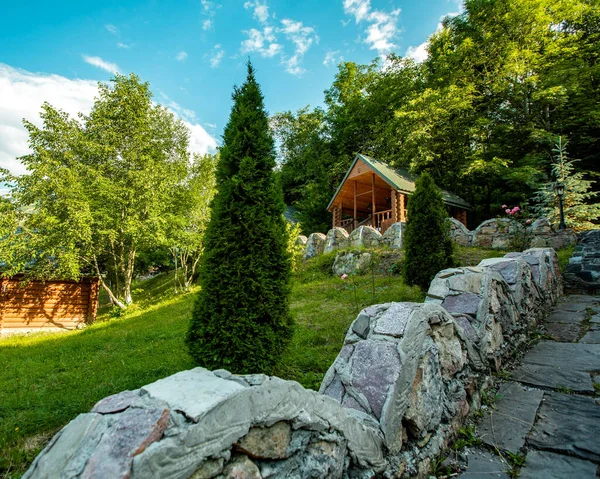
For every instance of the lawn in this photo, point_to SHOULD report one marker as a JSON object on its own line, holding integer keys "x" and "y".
{"x": 49, "y": 378}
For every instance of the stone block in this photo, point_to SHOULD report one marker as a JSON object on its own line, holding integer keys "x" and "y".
{"x": 337, "y": 238}
{"x": 314, "y": 245}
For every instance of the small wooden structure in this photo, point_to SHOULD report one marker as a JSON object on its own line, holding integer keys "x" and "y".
{"x": 37, "y": 305}
{"x": 375, "y": 194}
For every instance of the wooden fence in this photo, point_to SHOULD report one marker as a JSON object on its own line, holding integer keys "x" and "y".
{"x": 36, "y": 305}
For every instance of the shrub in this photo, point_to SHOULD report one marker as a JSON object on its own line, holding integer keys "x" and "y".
{"x": 241, "y": 320}
{"x": 427, "y": 243}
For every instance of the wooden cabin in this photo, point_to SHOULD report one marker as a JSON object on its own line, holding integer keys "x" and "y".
{"x": 39, "y": 305}
{"x": 375, "y": 194}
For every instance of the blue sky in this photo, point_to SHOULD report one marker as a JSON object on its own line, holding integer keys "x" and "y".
{"x": 192, "y": 52}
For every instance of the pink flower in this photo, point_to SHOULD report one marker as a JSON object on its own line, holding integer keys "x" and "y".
{"x": 508, "y": 211}
{"x": 516, "y": 209}
{"x": 504, "y": 206}
{"x": 344, "y": 276}
{"x": 528, "y": 221}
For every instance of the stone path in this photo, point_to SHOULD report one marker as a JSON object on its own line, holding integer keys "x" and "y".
{"x": 549, "y": 412}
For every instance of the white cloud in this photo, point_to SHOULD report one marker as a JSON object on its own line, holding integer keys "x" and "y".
{"x": 263, "y": 42}
{"x": 22, "y": 94}
{"x": 382, "y": 27}
{"x": 209, "y": 12}
{"x": 331, "y": 58}
{"x": 181, "y": 56}
{"x": 418, "y": 53}
{"x": 123, "y": 45}
{"x": 100, "y": 63}
{"x": 261, "y": 10}
{"x": 302, "y": 37}
{"x": 112, "y": 29}
{"x": 216, "y": 56}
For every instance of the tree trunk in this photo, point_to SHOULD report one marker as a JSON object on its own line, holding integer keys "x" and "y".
{"x": 113, "y": 299}
{"x": 129, "y": 277}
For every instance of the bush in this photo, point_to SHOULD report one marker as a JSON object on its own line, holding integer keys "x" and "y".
{"x": 241, "y": 320}
{"x": 428, "y": 247}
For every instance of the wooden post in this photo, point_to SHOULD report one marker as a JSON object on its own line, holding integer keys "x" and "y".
{"x": 374, "y": 223}
{"x": 355, "y": 187}
{"x": 394, "y": 207}
{"x": 335, "y": 214}
{"x": 402, "y": 215}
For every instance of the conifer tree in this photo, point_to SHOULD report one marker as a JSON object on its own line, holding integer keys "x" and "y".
{"x": 580, "y": 209}
{"x": 428, "y": 247}
{"x": 241, "y": 318}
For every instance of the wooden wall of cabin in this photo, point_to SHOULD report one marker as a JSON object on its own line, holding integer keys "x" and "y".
{"x": 50, "y": 304}
{"x": 460, "y": 214}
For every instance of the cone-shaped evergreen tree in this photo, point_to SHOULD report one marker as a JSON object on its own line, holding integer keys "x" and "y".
{"x": 428, "y": 247}
{"x": 241, "y": 319}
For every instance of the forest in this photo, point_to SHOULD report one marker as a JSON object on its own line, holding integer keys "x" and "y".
{"x": 502, "y": 83}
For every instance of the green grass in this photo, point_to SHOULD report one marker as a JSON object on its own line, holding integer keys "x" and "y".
{"x": 49, "y": 378}
{"x": 471, "y": 256}
{"x": 563, "y": 257}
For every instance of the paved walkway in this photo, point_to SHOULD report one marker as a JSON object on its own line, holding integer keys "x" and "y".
{"x": 550, "y": 409}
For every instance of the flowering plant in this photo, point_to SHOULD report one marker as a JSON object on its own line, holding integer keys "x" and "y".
{"x": 522, "y": 234}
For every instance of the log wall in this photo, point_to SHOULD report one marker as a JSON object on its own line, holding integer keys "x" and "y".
{"x": 45, "y": 305}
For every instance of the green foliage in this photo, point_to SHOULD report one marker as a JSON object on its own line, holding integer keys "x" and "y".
{"x": 501, "y": 82}
{"x": 578, "y": 201}
{"x": 241, "y": 320}
{"x": 295, "y": 250}
{"x": 427, "y": 243}
{"x": 466, "y": 437}
{"x": 190, "y": 215}
{"x": 98, "y": 190}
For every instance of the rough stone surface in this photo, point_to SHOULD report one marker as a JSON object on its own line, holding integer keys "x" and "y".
{"x": 460, "y": 233}
{"x": 266, "y": 442}
{"x": 351, "y": 262}
{"x": 591, "y": 337}
{"x": 547, "y": 465}
{"x": 242, "y": 468}
{"x": 392, "y": 237}
{"x": 337, "y": 238}
{"x": 583, "y": 270}
{"x": 144, "y": 441}
{"x": 568, "y": 424}
{"x": 301, "y": 240}
{"x": 506, "y": 425}
{"x": 314, "y": 245}
{"x": 555, "y": 365}
{"x": 483, "y": 465}
{"x": 365, "y": 237}
{"x": 117, "y": 402}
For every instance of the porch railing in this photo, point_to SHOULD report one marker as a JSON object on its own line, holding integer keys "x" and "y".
{"x": 382, "y": 220}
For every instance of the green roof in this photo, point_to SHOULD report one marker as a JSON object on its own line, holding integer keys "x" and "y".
{"x": 399, "y": 179}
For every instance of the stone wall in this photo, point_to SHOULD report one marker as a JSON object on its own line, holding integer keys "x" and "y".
{"x": 499, "y": 233}
{"x": 494, "y": 234}
{"x": 583, "y": 270}
{"x": 405, "y": 379}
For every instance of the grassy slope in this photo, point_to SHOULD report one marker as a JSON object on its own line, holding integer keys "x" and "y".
{"x": 50, "y": 378}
